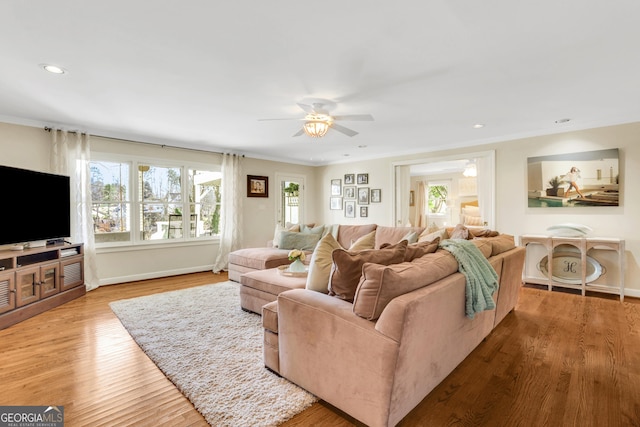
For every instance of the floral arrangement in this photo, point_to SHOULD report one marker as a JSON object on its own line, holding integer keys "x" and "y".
{"x": 296, "y": 254}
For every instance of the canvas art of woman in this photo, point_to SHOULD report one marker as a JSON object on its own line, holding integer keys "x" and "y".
{"x": 572, "y": 178}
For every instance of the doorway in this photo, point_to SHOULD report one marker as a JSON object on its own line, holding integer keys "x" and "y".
{"x": 290, "y": 198}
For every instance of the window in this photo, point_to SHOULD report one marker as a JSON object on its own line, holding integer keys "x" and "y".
{"x": 170, "y": 202}
{"x": 111, "y": 203}
{"x": 437, "y": 193}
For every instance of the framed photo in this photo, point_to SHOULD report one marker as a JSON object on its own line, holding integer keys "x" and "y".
{"x": 350, "y": 192}
{"x": 336, "y": 203}
{"x": 364, "y": 211}
{"x": 350, "y": 208}
{"x": 376, "y": 195}
{"x": 363, "y": 195}
{"x": 363, "y": 178}
{"x": 412, "y": 201}
{"x": 257, "y": 186}
{"x": 349, "y": 178}
{"x": 336, "y": 187}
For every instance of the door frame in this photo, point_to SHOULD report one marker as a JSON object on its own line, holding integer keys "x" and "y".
{"x": 279, "y": 178}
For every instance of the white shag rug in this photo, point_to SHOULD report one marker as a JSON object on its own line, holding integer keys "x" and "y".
{"x": 211, "y": 350}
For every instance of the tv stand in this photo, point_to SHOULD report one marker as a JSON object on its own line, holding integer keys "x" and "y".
{"x": 35, "y": 280}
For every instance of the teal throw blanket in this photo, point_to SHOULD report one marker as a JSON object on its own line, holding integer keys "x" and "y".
{"x": 482, "y": 279}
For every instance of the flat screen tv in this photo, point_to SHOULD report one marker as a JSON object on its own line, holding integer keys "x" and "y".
{"x": 35, "y": 206}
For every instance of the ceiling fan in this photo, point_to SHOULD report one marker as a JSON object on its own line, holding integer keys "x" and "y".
{"x": 318, "y": 121}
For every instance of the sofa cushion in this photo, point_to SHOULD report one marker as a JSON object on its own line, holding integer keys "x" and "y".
{"x": 351, "y": 233}
{"x": 380, "y": 284}
{"x": 483, "y": 232}
{"x": 347, "y": 267}
{"x": 395, "y": 234}
{"x": 417, "y": 250}
{"x": 365, "y": 242}
{"x": 302, "y": 241}
{"x": 259, "y": 258}
{"x": 320, "y": 264}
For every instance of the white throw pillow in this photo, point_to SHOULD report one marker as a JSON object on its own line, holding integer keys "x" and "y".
{"x": 320, "y": 264}
{"x": 368, "y": 241}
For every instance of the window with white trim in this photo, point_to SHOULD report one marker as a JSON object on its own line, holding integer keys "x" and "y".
{"x": 157, "y": 203}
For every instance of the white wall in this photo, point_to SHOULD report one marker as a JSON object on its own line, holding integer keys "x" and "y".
{"x": 513, "y": 216}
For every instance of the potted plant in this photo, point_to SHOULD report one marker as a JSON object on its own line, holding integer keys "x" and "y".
{"x": 292, "y": 189}
{"x": 555, "y": 189}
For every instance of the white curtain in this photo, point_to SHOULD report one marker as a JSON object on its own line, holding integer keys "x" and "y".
{"x": 403, "y": 188}
{"x": 70, "y": 155}
{"x": 421, "y": 205}
{"x": 231, "y": 211}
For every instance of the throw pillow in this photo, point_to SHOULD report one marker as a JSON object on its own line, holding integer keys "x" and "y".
{"x": 473, "y": 220}
{"x": 431, "y": 236}
{"x": 365, "y": 242}
{"x": 459, "y": 232}
{"x": 411, "y": 237}
{"x": 417, "y": 250}
{"x": 302, "y": 241}
{"x": 347, "y": 267}
{"x": 280, "y": 229}
{"x": 380, "y": 284}
{"x": 310, "y": 229}
{"x": 320, "y": 264}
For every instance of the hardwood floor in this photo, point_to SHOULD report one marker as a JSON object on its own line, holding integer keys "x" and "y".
{"x": 557, "y": 360}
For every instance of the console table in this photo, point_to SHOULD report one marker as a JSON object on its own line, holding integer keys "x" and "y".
{"x": 35, "y": 280}
{"x": 579, "y": 262}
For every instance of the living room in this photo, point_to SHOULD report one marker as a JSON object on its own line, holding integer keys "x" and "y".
{"x": 428, "y": 82}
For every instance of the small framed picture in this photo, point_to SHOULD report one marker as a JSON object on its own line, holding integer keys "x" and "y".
{"x": 257, "y": 186}
{"x": 363, "y": 195}
{"x": 349, "y": 178}
{"x": 364, "y": 211}
{"x": 336, "y": 187}
{"x": 376, "y": 195}
{"x": 336, "y": 203}
{"x": 350, "y": 192}
{"x": 350, "y": 208}
{"x": 411, "y": 199}
{"x": 363, "y": 178}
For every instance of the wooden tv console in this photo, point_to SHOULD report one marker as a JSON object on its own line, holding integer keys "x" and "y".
{"x": 35, "y": 280}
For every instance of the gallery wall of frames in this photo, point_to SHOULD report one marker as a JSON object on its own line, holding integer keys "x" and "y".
{"x": 353, "y": 195}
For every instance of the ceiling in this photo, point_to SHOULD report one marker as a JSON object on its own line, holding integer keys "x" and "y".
{"x": 201, "y": 74}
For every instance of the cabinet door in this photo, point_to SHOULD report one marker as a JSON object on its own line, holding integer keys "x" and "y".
{"x": 27, "y": 286}
{"x": 49, "y": 279}
{"x": 7, "y": 292}
{"x": 72, "y": 273}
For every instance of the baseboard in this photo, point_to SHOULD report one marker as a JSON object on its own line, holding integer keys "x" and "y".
{"x": 634, "y": 293}
{"x": 154, "y": 275}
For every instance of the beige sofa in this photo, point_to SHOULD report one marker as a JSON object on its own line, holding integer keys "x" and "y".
{"x": 378, "y": 370}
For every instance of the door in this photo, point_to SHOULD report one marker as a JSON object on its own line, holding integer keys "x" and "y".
{"x": 290, "y": 198}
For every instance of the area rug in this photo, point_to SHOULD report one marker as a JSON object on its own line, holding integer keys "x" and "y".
{"x": 211, "y": 350}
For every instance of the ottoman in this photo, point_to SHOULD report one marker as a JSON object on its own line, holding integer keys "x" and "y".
{"x": 248, "y": 260}
{"x": 261, "y": 287}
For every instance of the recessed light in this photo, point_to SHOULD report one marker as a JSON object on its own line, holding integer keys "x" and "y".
{"x": 563, "y": 120}
{"x": 53, "y": 69}
{"x": 346, "y": 155}
{"x": 478, "y": 126}
{"x": 362, "y": 146}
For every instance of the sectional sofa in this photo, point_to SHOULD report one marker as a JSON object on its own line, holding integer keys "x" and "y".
{"x": 377, "y": 350}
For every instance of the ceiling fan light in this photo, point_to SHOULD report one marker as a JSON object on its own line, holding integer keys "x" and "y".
{"x": 316, "y": 128}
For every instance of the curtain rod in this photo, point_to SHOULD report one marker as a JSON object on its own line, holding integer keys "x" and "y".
{"x": 49, "y": 129}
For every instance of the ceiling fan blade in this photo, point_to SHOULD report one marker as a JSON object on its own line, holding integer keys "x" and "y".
{"x": 343, "y": 129}
{"x": 289, "y": 118}
{"x": 300, "y": 132}
{"x": 306, "y": 108}
{"x": 355, "y": 117}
